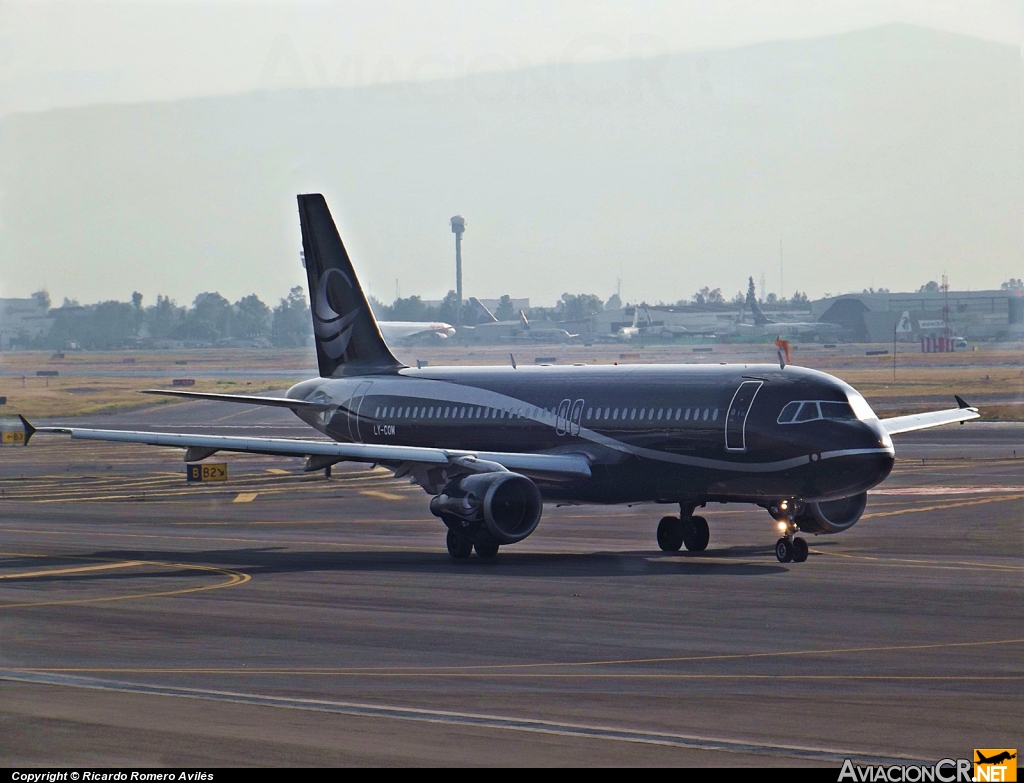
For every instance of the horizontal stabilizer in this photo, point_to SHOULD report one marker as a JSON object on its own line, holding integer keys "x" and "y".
{"x": 273, "y": 402}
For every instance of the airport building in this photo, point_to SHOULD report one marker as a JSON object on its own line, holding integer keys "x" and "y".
{"x": 22, "y": 320}
{"x": 974, "y": 315}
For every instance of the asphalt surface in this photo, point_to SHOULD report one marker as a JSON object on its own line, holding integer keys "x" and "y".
{"x": 282, "y": 618}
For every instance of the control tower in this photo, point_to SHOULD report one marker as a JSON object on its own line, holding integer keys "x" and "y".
{"x": 458, "y": 228}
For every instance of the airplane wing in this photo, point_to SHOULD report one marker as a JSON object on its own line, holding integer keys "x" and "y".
{"x": 556, "y": 466}
{"x": 274, "y": 402}
{"x": 921, "y": 421}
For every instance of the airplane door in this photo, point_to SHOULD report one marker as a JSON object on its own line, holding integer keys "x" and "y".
{"x": 353, "y": 410}
{"x": 574, "y": 419}
{"x": 562, "y": 419}
{"x": 736, "y": 419}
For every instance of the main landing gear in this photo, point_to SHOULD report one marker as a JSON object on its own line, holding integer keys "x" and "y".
{"x": 460, "y": 546}
{"x": 691, "y": 531}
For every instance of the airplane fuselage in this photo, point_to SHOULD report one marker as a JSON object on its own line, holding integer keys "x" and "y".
{"x": 666, "y": 433}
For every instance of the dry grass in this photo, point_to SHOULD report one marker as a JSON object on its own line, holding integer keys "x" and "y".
{"x": 103, "y": 382}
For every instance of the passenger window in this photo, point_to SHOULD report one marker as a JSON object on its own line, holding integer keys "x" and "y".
{"x": 650, "y": 414}
{"x": 808, "y": 412}
{"x": 661, "y": 412}
{"x": 607, "y": 412}
{"x": 714, "y": 415}
{"x": 641, "y": 414}
{"x": 788, "y": 412}
{"x": 462, "y": 413}
{"x": 679, "y": 413}
{"x": 615, "y": 414}
{"x": 416, "y": 412}
{"x": 589, "y": 411}
{"x": 706, "y": 411}
{"x": 837, "y": 411}
{"x": 632, "y": 414}
{"x": 377, "y": 412}
{"x": 687, "y": 414}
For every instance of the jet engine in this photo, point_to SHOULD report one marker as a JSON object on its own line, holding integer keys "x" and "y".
{"x": 505, "y": 505}
{"x": 832, "y": 516}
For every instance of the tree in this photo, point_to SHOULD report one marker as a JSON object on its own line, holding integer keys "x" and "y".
{"x": 579, "y": 306}
{"x": 799, "y": 298}
{"x": 292, "y": 325}
{"x": 252, "y": 317}
{"x": 771, "y": 299}
{"x": 505, "y": 310}
{"x": 209, "y": 319}
{"x": 42, "y": 298}
{"x": 163, "y": 318}
{"x": 1013, "y": 284}
{"x": 411, "y": 309}
{"x": 448, "y": 311}
{"x": 381, "y": 311}
{"x": 614, "y": 302}
{"x": 931, "y": 287}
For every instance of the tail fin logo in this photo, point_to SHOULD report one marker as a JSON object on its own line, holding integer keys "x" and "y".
{"x": 333, "y": 328}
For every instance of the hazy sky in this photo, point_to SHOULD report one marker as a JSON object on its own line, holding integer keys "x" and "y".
{"x": 77, "y": 53}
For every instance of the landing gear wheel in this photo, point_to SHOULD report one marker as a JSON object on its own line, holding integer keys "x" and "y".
{"x": 486, "y": 549}
{"x": 670, "y": 534}
{"x": 784, "y": 550}
{"x": 700, "y": 534}
{"x": 459, "y": 546}
{"x": 799, "y": 550}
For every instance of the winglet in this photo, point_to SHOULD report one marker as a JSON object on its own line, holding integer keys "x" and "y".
{"x": 960, "y": 401}
{"x": 29, "y": 429}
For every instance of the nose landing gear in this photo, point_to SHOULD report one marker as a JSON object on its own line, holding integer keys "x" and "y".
{"x": 790, "y": 548}
{"x": 691, "y": 531}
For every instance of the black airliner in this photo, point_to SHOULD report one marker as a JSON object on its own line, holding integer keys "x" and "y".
{"x": 492, "y": 444}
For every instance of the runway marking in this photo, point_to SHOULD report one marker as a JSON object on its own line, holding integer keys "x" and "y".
{"x": 245, "y": 497}
{"x": 373, "y": 493}
{"x": 233, "y": 578}
{"x": 279, "y": 471}
{"x": 469, "y": 719}
{"x": 897, "y": 561}
{"x": 75, "y": 570}
{"x": 942, "y": 490}
{"x": 942, "y": 506}
{"x": 502, "y": 670}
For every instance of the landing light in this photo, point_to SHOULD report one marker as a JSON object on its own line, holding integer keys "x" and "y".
{"x": 783, "y": 505}
{"x": 782, "y": 526}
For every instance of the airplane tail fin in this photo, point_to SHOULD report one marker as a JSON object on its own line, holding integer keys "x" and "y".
{"x": 348, "y": 340}
{"x": 760, "y": 319}
{"x": 483, "y": 315}
{"x": 522, "y": 319}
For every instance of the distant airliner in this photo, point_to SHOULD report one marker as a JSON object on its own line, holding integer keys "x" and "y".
{"x": 763, "y": 323}
{"x": 492, "y": 444}
{"x": 394, "y": 331}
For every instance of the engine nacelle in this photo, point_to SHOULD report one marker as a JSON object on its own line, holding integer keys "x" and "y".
{"x": 832, "y": 516}
{"x": 508, "y": 504}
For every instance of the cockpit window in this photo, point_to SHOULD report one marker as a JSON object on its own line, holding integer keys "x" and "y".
{"x": 800, "y": 411}
{"x": 789, "y": 412}
{"x": 808, "y": 412}
{"x": 837, "y": 411}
